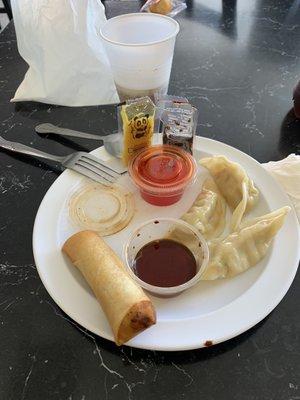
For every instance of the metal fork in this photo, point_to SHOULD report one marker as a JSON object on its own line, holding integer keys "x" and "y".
{"x": 81, "y": 162}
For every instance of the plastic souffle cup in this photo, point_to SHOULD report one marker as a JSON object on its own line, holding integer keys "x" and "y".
{"x": 162, "y": 173}
{"x": 140, "y": 50}
{"x": 161, "y": 228}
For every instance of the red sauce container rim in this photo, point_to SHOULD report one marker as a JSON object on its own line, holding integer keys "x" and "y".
{"x": 162, "y": 169}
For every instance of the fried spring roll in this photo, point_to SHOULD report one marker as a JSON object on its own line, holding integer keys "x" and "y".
{"x": 127, "y": 308}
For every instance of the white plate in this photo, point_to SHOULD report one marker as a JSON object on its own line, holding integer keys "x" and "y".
{"x": 211, "y": 311}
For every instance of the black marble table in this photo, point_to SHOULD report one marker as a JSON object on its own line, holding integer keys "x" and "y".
{"x": 238, "y": 63}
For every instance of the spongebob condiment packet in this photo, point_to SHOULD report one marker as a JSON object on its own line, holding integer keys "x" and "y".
{"x": 136, "y": 121}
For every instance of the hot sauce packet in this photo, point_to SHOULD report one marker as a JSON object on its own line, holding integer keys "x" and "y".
{"x": 178, "y": 124}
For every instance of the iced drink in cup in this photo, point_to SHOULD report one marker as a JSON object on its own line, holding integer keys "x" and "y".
{"x": 140, "y": 50}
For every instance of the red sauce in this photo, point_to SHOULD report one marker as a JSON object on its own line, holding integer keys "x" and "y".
{"x": 160, "y": 201}
{"x": 165, "y": 263}
{"x": 162, "y": 173}
{"x": 162, "y": 168}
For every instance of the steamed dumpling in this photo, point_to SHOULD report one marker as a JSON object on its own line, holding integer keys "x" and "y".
{"x": 208, "y": 212}
{"x": 234, "y": 184}
{"x": 245, "y": 248}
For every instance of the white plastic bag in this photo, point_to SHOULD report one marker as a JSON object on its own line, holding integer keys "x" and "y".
{"x": 60, "y": 41}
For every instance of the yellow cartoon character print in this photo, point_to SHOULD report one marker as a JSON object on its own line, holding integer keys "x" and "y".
{"x": 138, "y": 126}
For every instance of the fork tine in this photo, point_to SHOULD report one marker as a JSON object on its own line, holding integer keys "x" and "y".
{"x": 89, "y": 175}
{"x": 95, "y": 160}
{"x": 96, "y": 176}
{"x": 96, "y": 170}
{"x": 98, "y": 166}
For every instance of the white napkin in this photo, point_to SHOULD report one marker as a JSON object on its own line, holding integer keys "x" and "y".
{"x": 287, "y": 174}
{"x": 60, "y": 42}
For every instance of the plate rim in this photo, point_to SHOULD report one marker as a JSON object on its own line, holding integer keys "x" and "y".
{"x": 200, "y": 142}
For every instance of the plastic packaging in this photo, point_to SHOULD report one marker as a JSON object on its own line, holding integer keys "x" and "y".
{"x": 67, "y": 62}
{"x": 136, "y": 121}
{"x": 179, "y": 126}
{"x": 161, "y": 228}
{"x": 140, "y": 49}
{"x": 163, "y": 101}
{"x": 104, "y": 209}
{"x": 164, "y": 7}
{"x": 162, "y": 173}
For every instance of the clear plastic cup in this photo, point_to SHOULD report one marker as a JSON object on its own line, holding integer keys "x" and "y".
{"x": 177, "y": 230}
{"x": 140, "y": 50}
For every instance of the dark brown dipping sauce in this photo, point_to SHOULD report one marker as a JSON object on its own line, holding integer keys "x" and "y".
{"x": 165, "y": 263}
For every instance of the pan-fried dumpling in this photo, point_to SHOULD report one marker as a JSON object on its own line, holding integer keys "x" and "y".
{"x": 208, "y": 212}
{"x": 234, "y": 184}
{"x": 245, "y": 248}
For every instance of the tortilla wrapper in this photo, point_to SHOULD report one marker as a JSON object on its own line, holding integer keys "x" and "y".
{"x": 128, "y": 310}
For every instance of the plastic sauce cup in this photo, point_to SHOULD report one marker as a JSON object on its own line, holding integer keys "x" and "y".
{"x": 162, "y": 173}
{"x": 158, "y": 229}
